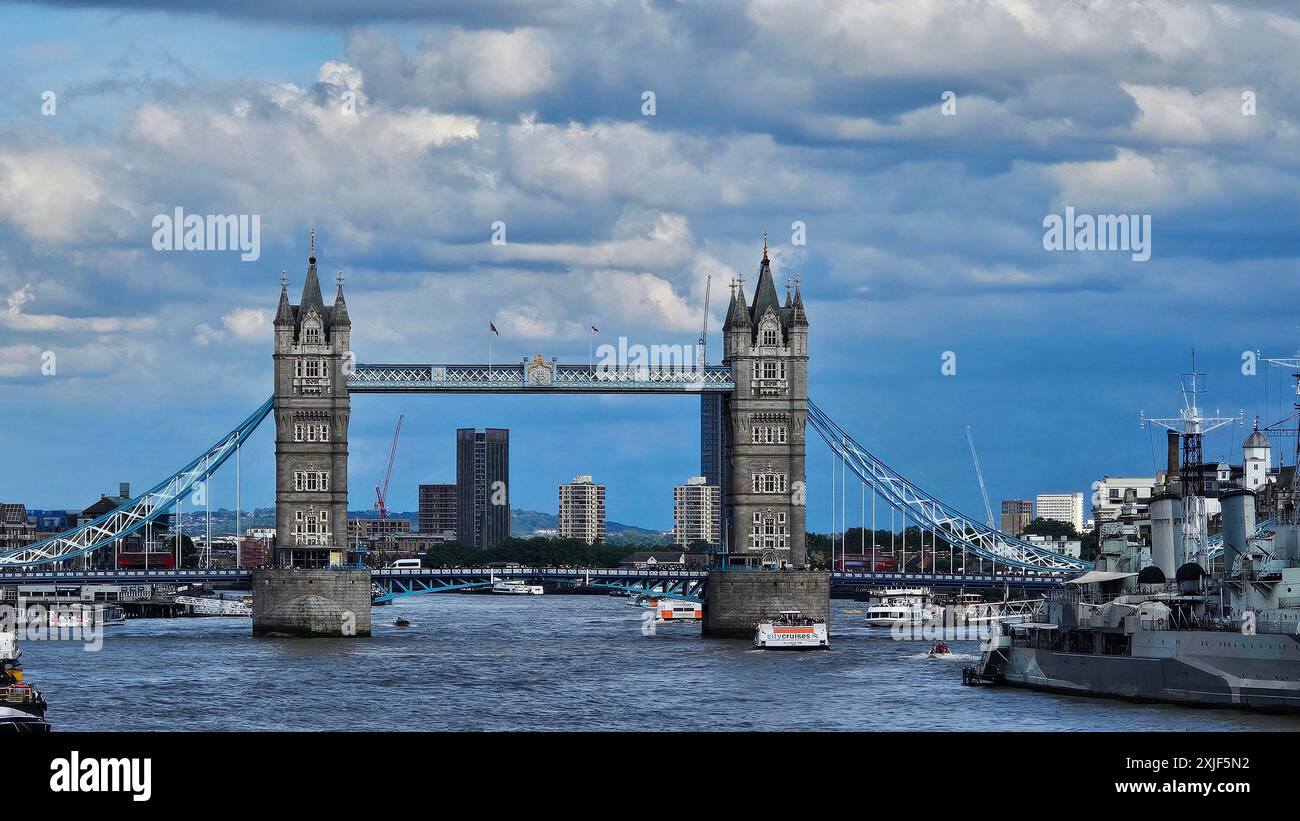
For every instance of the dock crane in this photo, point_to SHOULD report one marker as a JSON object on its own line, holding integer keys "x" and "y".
{"x": 381, "y": 490}
{"x": 700, "y": 359}
{"x": 979, "y": 474}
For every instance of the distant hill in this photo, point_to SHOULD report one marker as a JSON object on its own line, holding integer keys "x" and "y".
{"x": 525, "y": 523}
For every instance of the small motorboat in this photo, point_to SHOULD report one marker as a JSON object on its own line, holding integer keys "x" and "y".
{"x": 401, "y": 622}
{"x": 940, "y": 648}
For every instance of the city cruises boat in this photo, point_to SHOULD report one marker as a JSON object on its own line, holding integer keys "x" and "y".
{"x": 22, "y": 707}
{"x": 677, "y": 610}
{"x": 901, "y": 606}
{"x": 214, "y": 606}
{"x": 791, "y": 630}
{"x": 80, "y": 615}
{"x": 516, "y": 587}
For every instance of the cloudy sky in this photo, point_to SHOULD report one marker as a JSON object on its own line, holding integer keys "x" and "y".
{"x": 401, "y": 131}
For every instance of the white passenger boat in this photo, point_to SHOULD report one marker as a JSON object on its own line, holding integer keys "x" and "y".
{"x": 677, "y": 610}
{"x": 516, "y": 587}
{"x": 213, "y": 606}
{"x": 791, "y": 630}
{"x": 79, "y": 615}
{"x": 901, "y": 606}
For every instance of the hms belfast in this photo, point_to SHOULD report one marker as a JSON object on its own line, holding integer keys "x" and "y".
{"x": 1170, "y": 613}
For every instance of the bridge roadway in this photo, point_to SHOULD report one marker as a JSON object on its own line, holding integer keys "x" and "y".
{"x": 678, "y": 583}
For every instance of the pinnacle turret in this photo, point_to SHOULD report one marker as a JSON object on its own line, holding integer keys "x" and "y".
{"x": 340, "y": 310}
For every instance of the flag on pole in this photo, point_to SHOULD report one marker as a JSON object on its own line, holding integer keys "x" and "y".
{"x": 493, "y": 328}
{"x": 595, "y": 330}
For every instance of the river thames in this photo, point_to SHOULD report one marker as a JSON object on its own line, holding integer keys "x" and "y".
{"x": 483, "y": 662}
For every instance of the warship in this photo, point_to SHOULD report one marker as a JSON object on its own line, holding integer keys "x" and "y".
{"x": 1169, "y": 613}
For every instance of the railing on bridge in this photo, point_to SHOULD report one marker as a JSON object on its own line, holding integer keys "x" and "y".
{"x": 539, "y": 377}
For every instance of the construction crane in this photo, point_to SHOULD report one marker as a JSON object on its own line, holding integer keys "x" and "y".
{"x": 979, "y": 474}
{"x": 381, "y": 490}
{"x": 700, "y": 358}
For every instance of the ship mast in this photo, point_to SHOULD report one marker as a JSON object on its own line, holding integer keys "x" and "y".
{"x": 1192, "y": 426}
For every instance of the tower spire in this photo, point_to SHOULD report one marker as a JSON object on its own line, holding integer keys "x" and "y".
{"x": 765, "y": 246}
{"x": 311, "y": 253}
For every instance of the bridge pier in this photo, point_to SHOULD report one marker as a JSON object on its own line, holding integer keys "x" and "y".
{"x": 738, "y": 599}
{"x": 311, "y": 603}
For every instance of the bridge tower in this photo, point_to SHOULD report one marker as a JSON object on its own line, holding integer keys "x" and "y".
{"x": 763, "y": 423}
{"x": 312, "y": 343}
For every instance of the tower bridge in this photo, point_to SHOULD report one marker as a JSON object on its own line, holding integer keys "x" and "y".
{"x": 755, "y": 416}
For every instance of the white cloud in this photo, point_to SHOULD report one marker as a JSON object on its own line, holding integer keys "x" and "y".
{"x": 15, "y": 318}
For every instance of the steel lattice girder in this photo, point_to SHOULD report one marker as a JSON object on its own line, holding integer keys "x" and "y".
{"x": 559, "y": 378}
{"x": 955, "y": 527}
{"x": 135, "y": 513}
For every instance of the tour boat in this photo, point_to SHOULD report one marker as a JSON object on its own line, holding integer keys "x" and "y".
{"x": 901, "y": 606}
{"x": 516, "y": 587}
{"x": 676, "y": 610}
{"x": 22, "y": 708}
{"x": 81, "y": 615}
{"x": 791, "y": 630}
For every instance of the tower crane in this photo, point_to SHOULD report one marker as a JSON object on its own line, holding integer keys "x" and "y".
{"x": 700, "y": 358}
{"x": 979, "y": 474}
{"x": 381, "y": 490}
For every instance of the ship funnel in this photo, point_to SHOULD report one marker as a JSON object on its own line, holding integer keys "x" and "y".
{"x": 1166, "y": 527}
{"x": 1171, "y": 457}
{"x": 1238, "y": 525}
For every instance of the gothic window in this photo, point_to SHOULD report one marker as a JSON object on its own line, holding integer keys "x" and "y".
{"x": 768, "y": 482}
{"x": 769, "y": 532}
{"x": 769, "y": 435}
{"x": 311, "y": 432}
{"x": 311, "y": 528}
{"x": 311, "y": 335}
{"x": 769, "y": 336}
{"x": 311, "y": 480}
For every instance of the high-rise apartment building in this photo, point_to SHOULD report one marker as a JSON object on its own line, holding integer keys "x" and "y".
{"x": 582, "y": 510}
{"x": 437, "y": 509}
{"x": 1016, "y": 515}
{"x": 695, "y": 512}
{"x": 1062, "y": 507}
{"x": 482, "y": 487}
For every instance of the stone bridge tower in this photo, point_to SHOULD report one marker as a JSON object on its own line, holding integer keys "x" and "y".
{"x": 764, "y": 494}
{"x": 312, "y": 343}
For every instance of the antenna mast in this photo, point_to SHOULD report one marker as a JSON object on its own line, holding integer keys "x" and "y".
{"x": 1191, "y": 425}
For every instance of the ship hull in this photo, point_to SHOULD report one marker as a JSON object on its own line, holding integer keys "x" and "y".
{"x": 1211, "y": 668}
